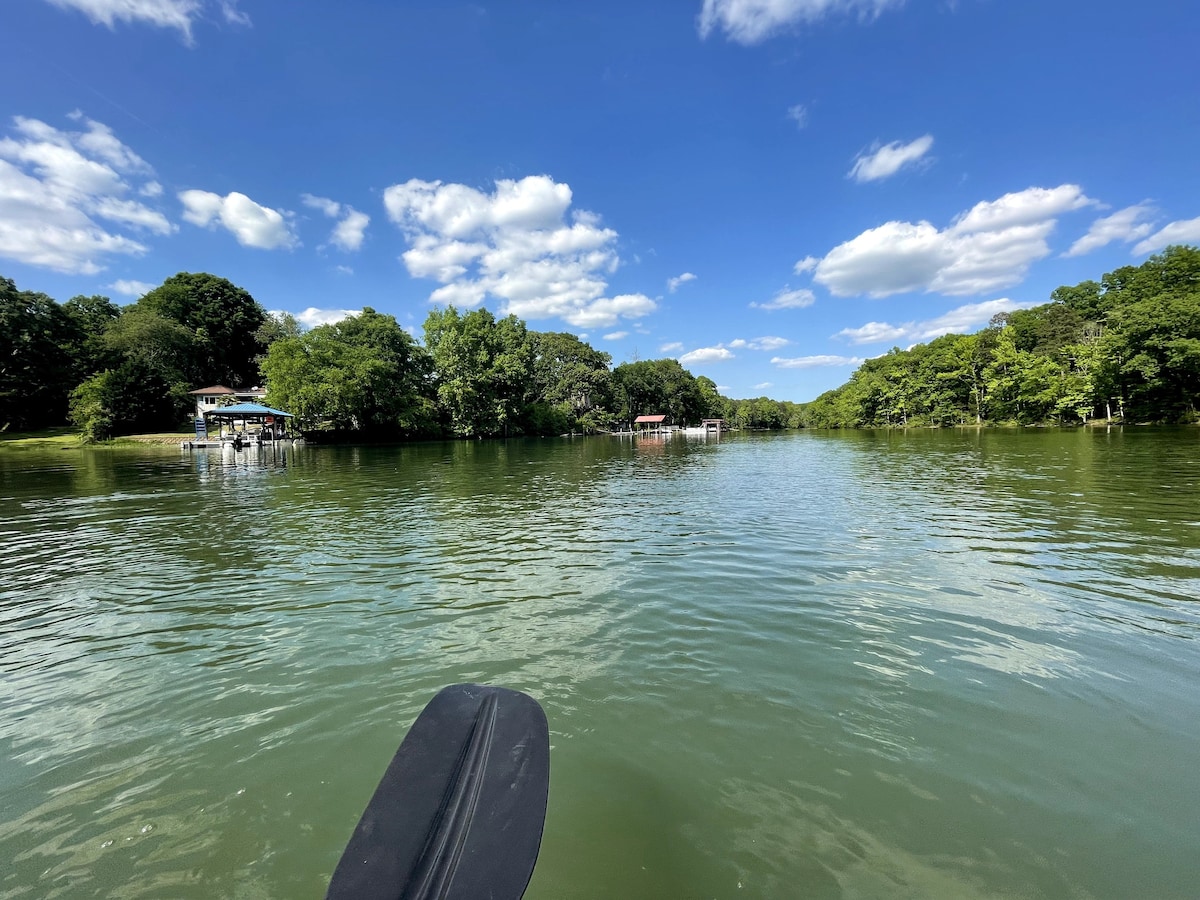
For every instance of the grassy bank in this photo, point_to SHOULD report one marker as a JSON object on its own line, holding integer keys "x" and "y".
{"x": 67, "y": 438}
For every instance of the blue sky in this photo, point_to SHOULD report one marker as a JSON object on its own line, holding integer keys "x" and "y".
{"x": 769, "y": 190}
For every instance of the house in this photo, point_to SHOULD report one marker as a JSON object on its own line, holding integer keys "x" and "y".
{"x": 210, "y": 398}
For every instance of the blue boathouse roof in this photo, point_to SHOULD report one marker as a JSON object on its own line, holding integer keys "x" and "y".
{"x": 238, "y": 410}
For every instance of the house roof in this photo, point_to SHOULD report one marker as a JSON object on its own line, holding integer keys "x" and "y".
{"x": 215, "y": 389}
{"x": 240, "y": 410}
{"x": 649, "y": 419}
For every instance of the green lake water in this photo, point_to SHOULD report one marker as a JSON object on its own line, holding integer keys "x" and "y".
{"x": 864, "y": 665}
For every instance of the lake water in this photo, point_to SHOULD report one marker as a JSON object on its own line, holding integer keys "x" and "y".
{"x": 864, "y": 665}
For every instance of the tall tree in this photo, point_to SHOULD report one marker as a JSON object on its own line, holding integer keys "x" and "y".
{"x": 223, "y": 319}
{"x": 36, "y": 370}
{"x": 483, "y": 370}
{"x": 364, "y": 373}
{"x": 657, "y": 386}
{"x": 572, "y": 378}
{"x": 90, "y": 319}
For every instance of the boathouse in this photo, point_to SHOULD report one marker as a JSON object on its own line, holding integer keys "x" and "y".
{"x": 649, "y": 424}
{"x": 242, "y": 424}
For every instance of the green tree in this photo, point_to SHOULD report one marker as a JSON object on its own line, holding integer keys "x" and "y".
{"x": 36, "y": 369}
{"x": 572, "y": 379}
{"x": 657, "y": 386}
{"x": 224, "y": 321}
{"x": 483, "y": 371}
{"x": 129, "y": 399}
{"x": 90, "y": 319}
{"x": 364, "y": 374}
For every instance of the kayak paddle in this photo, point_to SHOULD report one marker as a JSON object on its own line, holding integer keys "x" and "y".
{"x": 460, "y": 809}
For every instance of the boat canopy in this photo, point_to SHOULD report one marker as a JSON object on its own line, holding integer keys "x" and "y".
{"x": 245, "y": 410}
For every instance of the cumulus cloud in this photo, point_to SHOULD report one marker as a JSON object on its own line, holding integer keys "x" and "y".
{"x": 251, "y": 223}
{"x": 514, "y": 244}
{"x": 885, "y": 161}
{"x": 1182, "y": 232}
{"x": 671, "y": 347}
{"x": 788, "y": 299}
{"x": 616, "y": 336}
{"x": 131, "y": 288}
{"x": 674, "y": 283}
{"x": 1124, "y": 225}
{"x": 706, "y": 355}
{"x": 66, "y": 197}
{"x": 762, "y": 386}
{"x": 991, "y": 246}
{"x": 814, "y": 362}
{"x": 762, "y": 343}
{"x": 177, "y": 14}
{"x": 312, "y": 317}
{"x": 805, "y": 265}
{"x": 799, "y": 115}
{"x": 349, "y": 232}
{"x": 753, "y": 21}
{"x": 956, "y": 321}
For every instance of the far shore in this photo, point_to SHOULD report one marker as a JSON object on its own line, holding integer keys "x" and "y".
{"x": 67, "y": 438}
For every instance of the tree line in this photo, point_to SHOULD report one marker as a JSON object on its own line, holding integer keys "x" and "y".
{"x": 114, "y": 370}
{"x": 1126, "y": 348}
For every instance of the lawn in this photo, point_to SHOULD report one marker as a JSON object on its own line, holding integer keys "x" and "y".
{"x": 67, "y": 438}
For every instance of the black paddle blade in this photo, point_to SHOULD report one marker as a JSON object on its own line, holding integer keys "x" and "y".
{"x": 460, "y": 809}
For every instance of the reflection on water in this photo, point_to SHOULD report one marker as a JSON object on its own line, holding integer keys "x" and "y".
{"x": 875, "y": 664}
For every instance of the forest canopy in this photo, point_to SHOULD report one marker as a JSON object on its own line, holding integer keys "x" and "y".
{"x": 1126, "y": 348}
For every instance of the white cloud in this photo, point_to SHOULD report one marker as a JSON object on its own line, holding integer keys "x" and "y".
{"x": 674, "y": 283}
{"x": 163, "y": 13}
{"x": 58, "y": 187}
{"x": 956, "y": 321}
{"x": 876, "y": 333}
{"x": 885, "y": 161}
{"x": 345, "y": 270}
{"x": 762, "y": 343}
{"x": 813, "y": 362}
{"x": 596, "y": 314}
{"x": 348, "y": 234}
{"x": 331, "y": 208}
{"x": 799, "y": 115}
{"x": 177, "y": 14}
{"x": 1182, "y": 232}
{"x": 232, "y": 14}
{"x": 705, "y": 355}
{"x": 671, "y": 347}
{"x": 805, "y": 265}
{"x": 251, "y": 223}
{"x": 762, "y": 386}
{"x": 990, "y": 246}
{"x": 1120, "y": 226}
{"x": 752, "y": 21}
{"x": 789, "y": 299}
{"x": 514, "y": 245}
{"x": 131, "y": 288}
{"x": 616, "y": 336}
{"x": 312, "y": 317}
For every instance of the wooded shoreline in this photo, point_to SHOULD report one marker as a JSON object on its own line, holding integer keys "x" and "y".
{"x": 1125, "y": 349}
